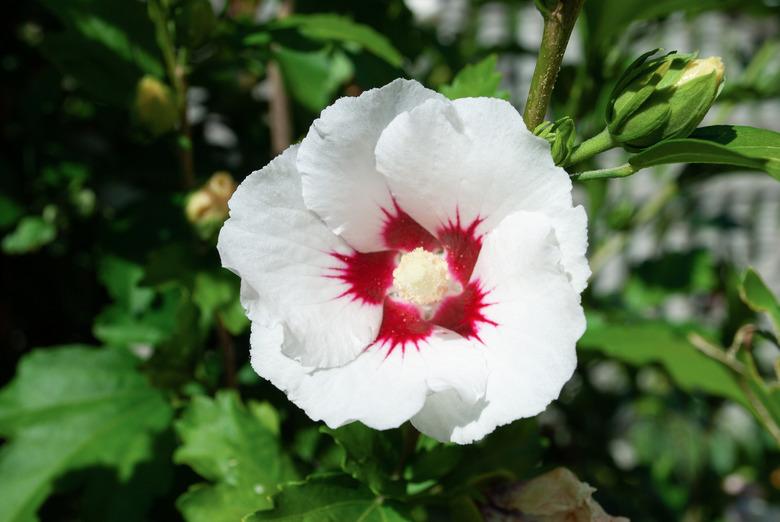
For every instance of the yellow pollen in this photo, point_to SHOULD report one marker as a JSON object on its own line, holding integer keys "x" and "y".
{"x": 421, "y": 277}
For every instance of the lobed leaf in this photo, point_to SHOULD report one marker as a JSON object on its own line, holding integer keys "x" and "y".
{"x": 232, "y": 446}
{"x": 478, "y": 79}
{"x": 68, "y": 409}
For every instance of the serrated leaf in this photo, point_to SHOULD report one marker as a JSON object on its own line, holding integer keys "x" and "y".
{"x": 649, "y": 342}
{"x": 233, "y": 447}
{"x": 30, "y": 234}
{"x": 736, "y": 145}
{"x": 331, "y": 27}
{"x": 479, "y": 79}
{"x": 759, "y": 297}
{"x": 331, "y": 498}
{"x": 68, "y": 409}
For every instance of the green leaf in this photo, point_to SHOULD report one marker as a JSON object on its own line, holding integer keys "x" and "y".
{"x": 68, "y": 409}
{"x": 313, "y": 77}
{"x": 216, "y": 293}
{"x": 721, "y": 144}
{"x": 512, "y": 450}
{"x": 329, "y": 498}
{"x": 479, "y": 79}
{"x": 231, "y": 446}
{"x": 30, "y": 234}
{"x": 649, "y": 342}
{"x": 10, "y": 211}
{"x": 759, "y": 297}
{"x": 118, "y": 325}
{"x": 122, "y": 279}
{"x": 371, "y": 456}
{"x": 106, "y": 45}
{"x": 331, "y": 27}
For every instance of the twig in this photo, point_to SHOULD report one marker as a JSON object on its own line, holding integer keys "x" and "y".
{"x": 279, "y": 111}
{"x": 279, "y": 103}
{"x": 558, "y": 23}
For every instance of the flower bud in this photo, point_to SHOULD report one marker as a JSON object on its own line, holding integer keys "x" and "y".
{"x": 662, "y": 98}
{"x": 155, "y": 106}
{"x": 207, "y": 207}
{"x": 561, "y": 135}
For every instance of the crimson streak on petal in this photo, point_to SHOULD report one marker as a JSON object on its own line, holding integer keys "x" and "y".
{"x": 368, "y": 275}
{"x": 462, "y": 245}
{"x": 401, "y": 232}
{"x": 401, "y": 325}
{"x": 462, "y": 313}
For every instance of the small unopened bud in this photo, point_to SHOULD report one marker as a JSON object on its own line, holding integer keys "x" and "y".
{"x": 702, "y": 67}
{"x": 661, "y": 98}
{"x": 207, "y": 207}
{"x": 155, "y": 106}
{"x": 561, "y": 135}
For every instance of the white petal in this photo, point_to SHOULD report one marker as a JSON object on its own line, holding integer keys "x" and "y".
{"x": 282, "y": 252}
{"x": 269, "y": 362}
{"x": 380, "y": 390}
{"x": 340, "y": 180}
{"x": 475, "y": 159}
{"x": 531, "y": 351}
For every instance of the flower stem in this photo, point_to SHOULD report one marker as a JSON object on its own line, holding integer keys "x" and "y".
{"x": 590, "y": 147}
{"x": 175, "y": 69}
{"x": 558, "y": 23}
{"x": 620, "y": 171}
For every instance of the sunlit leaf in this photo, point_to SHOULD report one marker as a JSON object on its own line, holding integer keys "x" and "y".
{"x": 653, "y": 342}
{"x": 479, "y": 79}
{"x": 69, "y": 409}
{"x": 722, "y": 144}
{"x": 230, "y": 445}
{"x": 759, "y": 297}
{"x": 331, "y": 27}
{"x": 31, "y": 233}
{"x": 313, "y": 77}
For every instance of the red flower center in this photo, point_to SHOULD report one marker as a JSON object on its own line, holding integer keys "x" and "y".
{"x": 369, "y": 278}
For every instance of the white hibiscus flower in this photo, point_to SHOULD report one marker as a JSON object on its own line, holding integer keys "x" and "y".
{"x": 414, "y": 258}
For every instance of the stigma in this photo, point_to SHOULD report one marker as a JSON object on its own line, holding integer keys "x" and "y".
{"x": 421, "y": 277}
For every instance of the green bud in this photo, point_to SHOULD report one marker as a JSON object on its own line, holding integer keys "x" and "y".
{"x": 662, "y": 98}
{"x": 561, "y": 135}
{"x": 207, "y": 208}
{"x": 154, "y": 106}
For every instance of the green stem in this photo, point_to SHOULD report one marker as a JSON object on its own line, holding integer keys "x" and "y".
{"x": 558, "y": 24}
{"x": 590, "y": 147}
{"x": 176, "y": 74}
{"x": 621, "y": 171}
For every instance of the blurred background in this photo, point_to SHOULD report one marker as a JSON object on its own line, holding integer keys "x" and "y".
{"x": 126, "y": 124}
